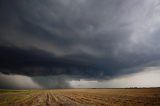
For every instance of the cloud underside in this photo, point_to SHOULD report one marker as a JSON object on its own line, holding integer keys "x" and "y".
{"x": 80, "y": 39}
{"x": 148, "y": 77}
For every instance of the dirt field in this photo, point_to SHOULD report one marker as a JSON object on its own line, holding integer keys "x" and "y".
{"x": 81, "y": 97}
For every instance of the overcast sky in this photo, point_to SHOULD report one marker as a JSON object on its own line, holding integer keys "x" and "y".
{"x": 57, "y": 43}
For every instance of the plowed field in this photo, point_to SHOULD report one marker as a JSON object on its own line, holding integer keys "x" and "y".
{"x": 81, "y": 97}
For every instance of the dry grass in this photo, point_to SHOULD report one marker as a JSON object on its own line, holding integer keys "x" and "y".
{"x": 82, "y": 97}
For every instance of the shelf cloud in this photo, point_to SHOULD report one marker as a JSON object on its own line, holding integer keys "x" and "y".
{"x": 78, "y": 39}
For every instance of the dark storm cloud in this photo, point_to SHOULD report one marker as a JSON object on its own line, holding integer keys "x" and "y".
{"x": 17, "y": 82}
{"x": 13, "y": 81}
{"x": 35, "y": 62}
{"x": 85, "y": 38}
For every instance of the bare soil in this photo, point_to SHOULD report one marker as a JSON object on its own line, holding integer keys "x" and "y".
{"x": 85, "y": 97}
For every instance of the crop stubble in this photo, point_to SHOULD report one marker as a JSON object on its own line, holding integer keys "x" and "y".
{"x": 87, "y": 97}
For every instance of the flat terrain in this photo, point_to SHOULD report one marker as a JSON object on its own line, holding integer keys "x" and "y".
{"x": 81, "y": 97}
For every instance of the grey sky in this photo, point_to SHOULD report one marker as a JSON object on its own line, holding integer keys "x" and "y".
{"x": 80, "y": 39}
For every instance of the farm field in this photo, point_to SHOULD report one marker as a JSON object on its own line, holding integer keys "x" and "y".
{"x": 81, "y": 97}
